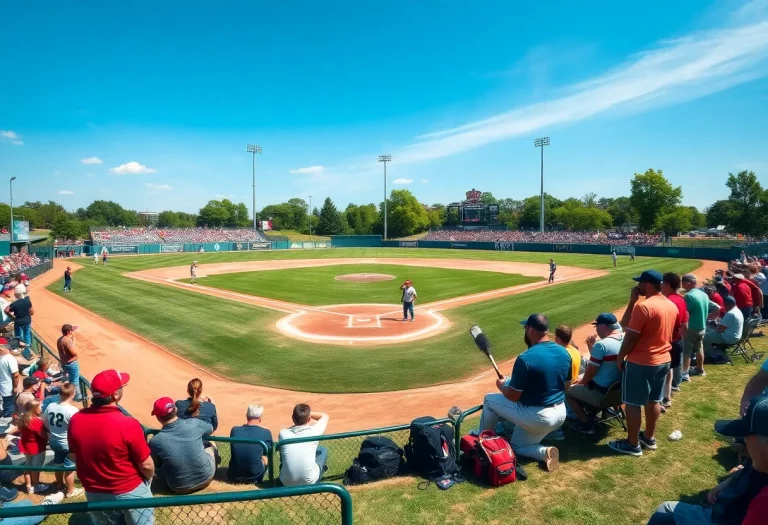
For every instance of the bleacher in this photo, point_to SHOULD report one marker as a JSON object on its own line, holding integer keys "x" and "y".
{"x": 558, "y": 237}
{"x": 108, "y": 236}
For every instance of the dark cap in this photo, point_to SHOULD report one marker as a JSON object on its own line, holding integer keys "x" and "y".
{"x": 755, "y": 422}
{"x": 67, "y": 328}
{"x": 606, "y": 319}
{"x": 30, "y": 381}
{"x": 649, "y": 276}
{"x": 538, "y": 322}
{"x": 729, "y": 299}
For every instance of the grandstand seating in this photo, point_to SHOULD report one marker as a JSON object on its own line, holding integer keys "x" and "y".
{"x": 558, "y": 237}
{"x": 135, "y": 236}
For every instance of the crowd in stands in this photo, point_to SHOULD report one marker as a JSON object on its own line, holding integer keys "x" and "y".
{"x": 68, "y": 242}
{"x": 135, "y": 236}
{"x": 18, "y": 262}
{"x": 557, "y": 237}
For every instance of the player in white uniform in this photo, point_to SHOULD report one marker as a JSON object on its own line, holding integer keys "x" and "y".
{"x": 193, "y": 273}
{"x": 614, "y": 257}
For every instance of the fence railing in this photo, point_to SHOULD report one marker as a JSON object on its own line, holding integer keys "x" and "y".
{"x": 310, "y": 505}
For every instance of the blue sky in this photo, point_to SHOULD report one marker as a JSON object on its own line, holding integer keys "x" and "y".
{"x": 151, "y": 104}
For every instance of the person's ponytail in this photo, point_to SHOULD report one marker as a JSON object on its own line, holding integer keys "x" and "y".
{"x": 195, "y": 390}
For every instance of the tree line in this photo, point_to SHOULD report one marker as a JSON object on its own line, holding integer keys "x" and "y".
{"x": 653, "y": 204}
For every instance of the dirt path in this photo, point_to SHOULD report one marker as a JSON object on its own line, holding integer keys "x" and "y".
{"x": 156, "y": 372}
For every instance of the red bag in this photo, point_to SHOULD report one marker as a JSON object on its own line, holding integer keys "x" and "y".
{"x": 494, "y": 459}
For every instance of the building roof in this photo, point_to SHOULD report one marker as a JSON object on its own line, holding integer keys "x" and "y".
{"x": 4, "y": 237}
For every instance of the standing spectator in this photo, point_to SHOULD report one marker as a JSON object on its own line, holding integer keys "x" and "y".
{"x": 67, "y": 347}
{"x": 647, "y": 342}
{"x": 5, "y": 302}
{"x": 552, "y": 270}
{"x": 31, "y": 388}
{"x": 409, "y": 297}
{"x": 20, "y": 284}
{"x": 34, "y": 438}
{"x": 9, "y": 379}
{"x": 669, "y": 287}
{"x": 248, "y": 461}
{"x": 184, "y": 462}
{"x": 303, "y": 463}
{"x": 697, "y": 304}
{"x": 742, "y": 292}
{"x": 22, "y": 311}
{"x": 68, "y": 279}
{"x": 198, "y": 407}
{"x": 727, "y": 332}
{"x": 56, "y": 419}
{"x": 533, "y": 398}
{"x": 113, "y": 459}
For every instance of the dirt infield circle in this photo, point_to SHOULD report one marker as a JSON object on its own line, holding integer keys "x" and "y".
{"x": 365, "y": 277}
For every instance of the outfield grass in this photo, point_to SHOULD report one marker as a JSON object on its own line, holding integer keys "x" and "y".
{"x": 432, "y": 284}
{"x": 241, "y": 342}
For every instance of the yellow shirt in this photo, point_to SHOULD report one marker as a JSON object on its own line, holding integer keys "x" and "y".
{"x": 575, "y": 360}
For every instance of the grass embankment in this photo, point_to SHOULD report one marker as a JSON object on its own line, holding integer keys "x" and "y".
{"x": 239, "y": 341}
{"x": 296, "y": 236}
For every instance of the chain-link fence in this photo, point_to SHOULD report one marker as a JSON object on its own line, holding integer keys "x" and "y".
{"x": 310, "y": 505}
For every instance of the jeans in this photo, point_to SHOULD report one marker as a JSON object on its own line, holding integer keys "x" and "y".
{"x": 132, "y": 516}
{"x": 321, "y": 458}
{"x": 676, "y": 513}
{"x": 67, "y": 285}
{"x": 9, "y": 405}
{"x": 73, "y": 376}
{"x": 24, "y": 332}
{"x": 407, "y": 307}
{"x": 28, "y": 520}
{"x": 532, "y": 424}
{"x": 747, "y": 313}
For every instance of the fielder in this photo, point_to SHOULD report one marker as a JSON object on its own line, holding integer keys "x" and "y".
{"x": 104, "y": 256}
{"x": 408, "y": 298}
{"x": 552, "y": 270}
{"x": 193, "y": 273}
{"x": 95, "y": 258}
{"x": 614, "y": 257}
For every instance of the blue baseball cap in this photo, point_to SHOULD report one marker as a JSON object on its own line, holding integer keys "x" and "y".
{"x": 538, "y": 322}
{"x": 649, "y": 276}
{"x": 606, "y": 318}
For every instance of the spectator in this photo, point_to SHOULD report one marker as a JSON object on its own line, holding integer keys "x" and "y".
{"x": 184, "y": 462}
{"x": 533, "y": 397}
{"x": 42, "y": 373}
{"x": 697, "y": 304}
{"x": 248, "y": 461}
{"x": 743, "y": 497}
{"x": 669, "y": 286}
{"x": 564, "y": 337}
{"x": 755, "y": 387}
{"x": 303, "y": 463}
{"x": 647, "y": 342}
{"x": 113, "y": 459}
{"x": 601, "y": 371}
{"x": 196, "y": 406}
{"x": 31, "y": 388}
{"x": 9, "y": 379}
{"x": 5, "y": 319}
{"x": 22, "y": 311}
{"x": 727, "y": 332}
{"x": 723, "y": 291}
{"x": 68, "y": 355}
{"x": 714, "y": 299}
{"x": 34, "y": 438}
{"x": 56, "y": 419}
{"x": 742, "y": 292}
{"x": 6, "y": 476}
{"x": 68, "y": 279}
{"x": 20, "y": 285}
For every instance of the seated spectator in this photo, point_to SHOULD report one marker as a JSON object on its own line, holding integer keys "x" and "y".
{"x": 601, "y": 372}
{"x": 56, "y": 419}
{"x": 727, "y": 332}
{"x": 563, "y": 337}
{"x": 743, "y": 497}
{"x": 6, "y": 476}
{"x": 34, "y": 438}
{"x": 196, "y": 406}
{"x": 248, "y": 461}
{"x": 533, "y": 397}
{"x": 183, "y": 461}
{"x": 303, "y": 463}
{"x": 31, "y": 388}
{"x": 754, "y": 387}
{"x": 716, "y": 303}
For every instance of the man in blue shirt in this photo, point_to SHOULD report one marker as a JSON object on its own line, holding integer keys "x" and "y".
{"x": 248, "y": 459}
{"x": 533, "y": 398}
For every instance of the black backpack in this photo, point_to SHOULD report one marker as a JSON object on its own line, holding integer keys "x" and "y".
{"x": 430, "y": 450}
{"x": 379, "y": 458}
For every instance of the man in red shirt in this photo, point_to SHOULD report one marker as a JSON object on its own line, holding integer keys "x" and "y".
{"x": 669, "y": 286}
{"x": 747, "y": 294}
{"x": 112, "y": 455}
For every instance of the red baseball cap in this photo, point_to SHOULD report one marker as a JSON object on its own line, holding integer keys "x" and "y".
{"x": 106, "y": 383}
{"x": 163, "y": 407}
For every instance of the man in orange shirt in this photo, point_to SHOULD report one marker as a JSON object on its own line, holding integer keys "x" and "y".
{"x": 650, "y": 325}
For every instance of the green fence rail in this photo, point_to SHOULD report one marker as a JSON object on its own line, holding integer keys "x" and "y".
{"x": 308, "y": 505}
{"x": 462, "y": 424}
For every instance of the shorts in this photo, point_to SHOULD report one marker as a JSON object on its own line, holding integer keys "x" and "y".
{"x": 676, "y": 353}
{"x": 643, "y": 384}
{"x": 694, "y": 342}
{"x": 61, "y": 457}
{"x": 34, "y": 460}
{"x": 589, "y": 396}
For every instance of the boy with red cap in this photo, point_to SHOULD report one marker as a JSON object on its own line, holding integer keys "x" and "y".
{"x": 409, "y": 296}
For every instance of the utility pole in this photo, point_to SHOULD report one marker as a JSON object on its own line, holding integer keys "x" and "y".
{"x": 540, "y": 143}
{"x": 254, "y": 149}
{"x": 385, "y": 159}
{"x": 11, "y": 199}
{"x": 309, "y": 218}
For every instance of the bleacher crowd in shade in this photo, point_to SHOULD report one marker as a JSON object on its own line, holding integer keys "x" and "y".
{"x": 143, "y": 235}
{"x": 17, "y": 262}
{"x": 557, "y": 237}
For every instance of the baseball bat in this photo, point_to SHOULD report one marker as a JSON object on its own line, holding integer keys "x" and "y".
{"x": 482, "y": 342}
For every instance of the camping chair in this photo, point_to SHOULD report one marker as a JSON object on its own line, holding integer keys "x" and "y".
{"x": 611, "y": 407}
{"x": 740, "y": 348}
{"x": 749, "y": 351}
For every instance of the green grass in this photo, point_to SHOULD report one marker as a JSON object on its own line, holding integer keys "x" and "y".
{"x": 432, "y": 284}
{"x": 242, "y": 343}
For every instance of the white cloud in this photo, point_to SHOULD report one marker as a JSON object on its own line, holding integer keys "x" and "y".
{"x": 131, "y": 168}
{"x": 92, "y": 160}
{"x": 402, "y": 181}
{"x": 11, "y": 136}
{"x": 310, "y": 170}
{"x": 424, "y": 181}
{"x": 674, "y": 71}
{"x": 158, "y": 186}
{"x": 66, "y": 192}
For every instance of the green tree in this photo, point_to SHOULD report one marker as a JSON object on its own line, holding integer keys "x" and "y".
{"x": 213, "y": 214}
{"x": 590, "y": 199}
{"x": 652, "y": 196}
{"x": 406, "y": 215}
{"x": 745, "y": 215}
{"x": 674, "y": 221}
{"x": 330, "y": 220}
{"x": 698, "y": 219}
{"x": 621, "y": 211}
{"x": 281, "y": 216}
{"x": 575, "y": 215}
{"x": 109, "y": 213}
{"x": 487, "y": 198}
{"x": 529, "y": 215}
{"x": 174, "y": 219}
{"x": 66, "y": 227}
{"x": 718, "y": 214}
{"x": 361, "y": 219}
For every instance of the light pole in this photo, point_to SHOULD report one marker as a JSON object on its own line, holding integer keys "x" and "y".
{"x": 385, "y": 159}
{"x": 254, "y": 149}
{"x": 540, "y": 143}
{"x": 309, "y": 218}
{"x": 11, "y": 236}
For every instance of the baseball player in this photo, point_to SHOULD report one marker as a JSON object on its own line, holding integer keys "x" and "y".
{"x": 104, "y": 256}
{"x": 408, "y": 298}
{"x": 95, "y": 257}
{"x": 614, "y": 257}
{"x": 552, "y": 270}
{"x": 193, "y": 273}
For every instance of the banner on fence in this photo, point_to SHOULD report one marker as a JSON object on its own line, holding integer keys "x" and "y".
{"x": 171, "y": 248}
{"x": 123, "y": 249}
{"x": 623, "y": 250}
{"x": 261, "y": 246}
{"x": 321, "y": 244}
{"x": 297, "y": 245}
{"x": 409, "y": 244}
{"x": 459, "y": 245}
{"x": 505, "y": 246}
{"x": 562, "y": 247}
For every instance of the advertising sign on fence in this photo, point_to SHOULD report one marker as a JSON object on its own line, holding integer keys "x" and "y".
{"x": 171, "y": 248}
{"x": 322, "y": 244}
{"x": 20, "y": 231}
{"x": 459, "y": 245}
{"x": 123, "y": 249}
{"x": 505, "y": 246}
{"x": 562, "y": 247}
{"x": 261, "y": 246}
{"x": 409, "y": 244}
{"x": 623, "y": 250}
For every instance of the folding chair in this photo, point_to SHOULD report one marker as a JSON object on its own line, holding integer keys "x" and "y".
{"x": 749, "y": 351}
{"x": 611, "y": 407}
{"x": 740, "y": 348}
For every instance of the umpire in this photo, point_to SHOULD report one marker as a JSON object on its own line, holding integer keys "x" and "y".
{"x": 409, "y": 296}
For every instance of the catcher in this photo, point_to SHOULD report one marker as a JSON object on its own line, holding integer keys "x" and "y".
{"x": 408, "y": 297}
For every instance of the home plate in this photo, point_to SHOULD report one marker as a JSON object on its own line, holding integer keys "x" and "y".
{"x": 363, "y": 319}
{"x": 363, "y": 322}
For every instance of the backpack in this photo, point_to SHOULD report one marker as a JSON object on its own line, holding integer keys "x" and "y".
{"x": 430, "y": 450}
{"x": 379, "y": 458}
{"x": 493, "y": 459}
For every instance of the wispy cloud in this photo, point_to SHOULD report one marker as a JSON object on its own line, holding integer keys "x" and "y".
{"x": 66, "y": 192}
{"x": 11, "y": 136}
{"x": 402, "y": 181}
{"x": 131, "y": 168}
{"x": 92, "y": 160}
{"x": 164, "y": 187}
{"x": 309, "y": 170}
{"x": 424, "y": 181}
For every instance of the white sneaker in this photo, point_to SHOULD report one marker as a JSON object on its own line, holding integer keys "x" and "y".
{"x": 37, "y": 489}
{"x": 53, "y": 499}
{"x": 75, "y": 493}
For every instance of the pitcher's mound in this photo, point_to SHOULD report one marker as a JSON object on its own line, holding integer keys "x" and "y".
{"x": 365, "y": 277}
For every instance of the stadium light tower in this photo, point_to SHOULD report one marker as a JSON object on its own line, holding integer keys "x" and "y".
{"x": 540, "y": 143}
{"x": 309, "y": 218}
{"x": 11, "y": 199}
{"x": 385, "y": 159}
{"x": 254, "y": 149}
